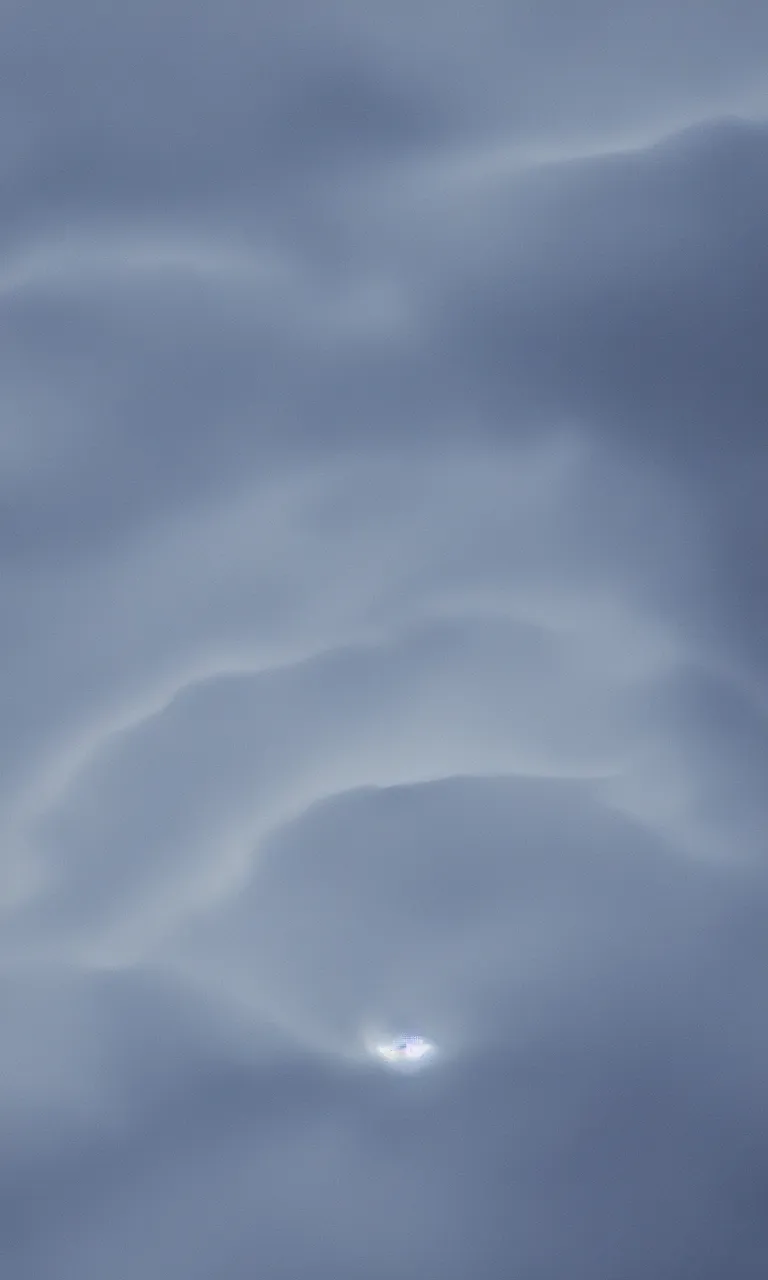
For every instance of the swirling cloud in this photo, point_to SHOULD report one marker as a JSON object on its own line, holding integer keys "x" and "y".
{"x": 382, "y": 512}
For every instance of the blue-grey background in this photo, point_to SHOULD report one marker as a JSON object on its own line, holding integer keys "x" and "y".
{"x": 384, "y": 638}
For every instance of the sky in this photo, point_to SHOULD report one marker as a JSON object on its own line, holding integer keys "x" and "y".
{"x": 384, "y": 639}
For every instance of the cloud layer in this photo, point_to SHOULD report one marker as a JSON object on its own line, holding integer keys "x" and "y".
{"x": 382, "y": 534}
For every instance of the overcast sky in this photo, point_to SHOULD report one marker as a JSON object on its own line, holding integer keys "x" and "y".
{"x": 383, "y": 639}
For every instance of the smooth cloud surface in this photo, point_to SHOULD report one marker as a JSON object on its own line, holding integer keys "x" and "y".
{"x": 382, "y": 540}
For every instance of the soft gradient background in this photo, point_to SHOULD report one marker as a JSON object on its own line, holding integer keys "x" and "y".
{"x": 384, "y": 637}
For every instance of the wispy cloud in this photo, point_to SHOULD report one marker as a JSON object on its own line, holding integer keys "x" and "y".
{"x": 381, "y": 539}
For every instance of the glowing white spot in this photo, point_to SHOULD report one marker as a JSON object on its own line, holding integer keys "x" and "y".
{"x": 408, "y": 1052}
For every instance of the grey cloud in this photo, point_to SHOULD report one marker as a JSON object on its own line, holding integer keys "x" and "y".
{"x": 382, "y": 533}
{"x": 594, "y": 1117}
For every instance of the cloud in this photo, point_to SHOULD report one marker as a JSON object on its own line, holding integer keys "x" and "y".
{"x": 381, "y": 526}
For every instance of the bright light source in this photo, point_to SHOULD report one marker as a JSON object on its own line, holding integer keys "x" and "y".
{"x": 406, "y": 1052}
